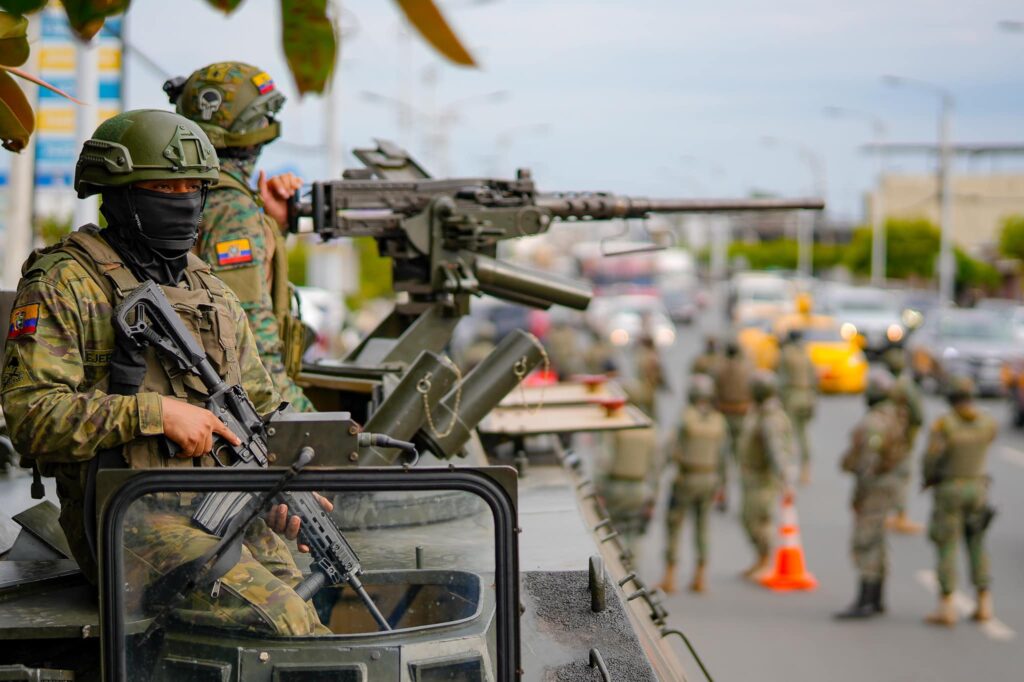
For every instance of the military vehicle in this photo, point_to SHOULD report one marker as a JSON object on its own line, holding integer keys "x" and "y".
{"x": 435, "y": 572}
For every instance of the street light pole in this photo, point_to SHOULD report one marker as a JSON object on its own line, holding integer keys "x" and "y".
{"x": 805, "y": 224}
{"x": 878, "y": 232}
{"x": 947, "y": 264}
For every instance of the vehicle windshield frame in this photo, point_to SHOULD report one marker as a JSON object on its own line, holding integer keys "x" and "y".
{"x": 494, "y": 485}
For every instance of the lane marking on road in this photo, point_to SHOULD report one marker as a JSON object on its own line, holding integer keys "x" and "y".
{"x": 1012, "y": 455}
{"x": 993, "y": 629}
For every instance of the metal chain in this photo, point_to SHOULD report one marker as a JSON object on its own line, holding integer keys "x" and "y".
{"x": 519, "y": 369}
{"x": 423, "y": 386}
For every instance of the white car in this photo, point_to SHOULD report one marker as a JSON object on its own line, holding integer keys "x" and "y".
{"x": 622, "y": 320}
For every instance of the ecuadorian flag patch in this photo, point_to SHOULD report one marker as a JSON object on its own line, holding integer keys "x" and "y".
{"x": 263, "y": 82}
{"x": 233, "y": 252}
{"x": 24, "y": 320}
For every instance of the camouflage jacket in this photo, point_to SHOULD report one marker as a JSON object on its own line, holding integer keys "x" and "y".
{"x": 59, "y": 346}
{"x": 240, "y": 242}
{"x": 958, "y": 447}
{"x": 766, "y": 444}
{"x": 876, "y": 443}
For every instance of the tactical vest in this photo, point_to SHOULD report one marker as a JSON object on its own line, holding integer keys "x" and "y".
{"x": 796, "y": 370}
{"x": 884, "y": 422}
{"x": 202, "y": 307}
{"x": 732, "y": 386}
{"x": 753, "y": 451}
{"x": 633, "y": 455}
{"x": 705, "y": 433}
{"x": 291, "y": 330}
{"x": 966, "y": 445}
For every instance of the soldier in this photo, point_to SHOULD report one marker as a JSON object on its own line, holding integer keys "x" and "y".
{"x": 765, "y": 454}
{"x": 563, "y": 344}
{"x": 707, "y": 362}
{"x": 243, "y": 232}
{"x": 629, "y": 478}
{"x": 906, "y": 395}
{"x": 701, "y": 438}
{"x": 732, "y": 399}
{"x": 797, "y": 386}
{"x": 77, "y": 397}
{"x": 877, "y": 450}
{"x": 650, "y": 376}
{"x": 954, "y": 468}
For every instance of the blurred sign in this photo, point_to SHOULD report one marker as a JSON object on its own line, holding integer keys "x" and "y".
{"x": 56, "y": 150}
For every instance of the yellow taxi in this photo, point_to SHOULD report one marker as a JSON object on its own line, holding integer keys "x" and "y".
{"x": 759, "y": 344}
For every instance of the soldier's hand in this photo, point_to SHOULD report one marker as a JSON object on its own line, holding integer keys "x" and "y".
{"x": 279, "y": 520}
{"x": 191, "y": 428}
{"x": 276, "y": 192}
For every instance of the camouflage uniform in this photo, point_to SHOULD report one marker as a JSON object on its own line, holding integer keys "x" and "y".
{"x": 955, "y": 467}
{"x": 244, "y": 246}
{"x": 563, "y": 346}
{"x": 907, "y": 397}
{"x": 627, "y": 485}
{"x": 702, "y": 436}
{"x": 797, "y": 382}
{"x": 765, "y": 454}
{"x": 56, "y": 381}
{"x": 733, "y": 400}
{"x": 650, "y": 378}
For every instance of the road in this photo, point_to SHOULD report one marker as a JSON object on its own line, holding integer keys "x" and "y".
{"x": 744, "y": 632}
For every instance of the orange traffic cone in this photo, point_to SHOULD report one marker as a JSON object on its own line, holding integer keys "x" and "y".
{"x": 790, "y": 570}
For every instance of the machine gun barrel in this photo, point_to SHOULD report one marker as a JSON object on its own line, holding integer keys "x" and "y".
{"x": 601, "y": 206}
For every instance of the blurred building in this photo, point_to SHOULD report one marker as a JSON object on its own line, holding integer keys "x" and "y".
{"x": 980, "y": 203}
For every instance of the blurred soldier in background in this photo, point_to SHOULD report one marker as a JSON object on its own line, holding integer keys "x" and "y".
{"x": 797, "y": 388}
{"x": 564, "y": 349}
{"x": 732, "y": 399}
{"x": 707, "y": 362}
{"x": 242, "y": 236}
{"x": 701, "y": 438}
{"x": 629, "y": 475}
{"x": 766, "y": 456}
{"x": 650, "y": 378}
{"x": 599, "y": 356}
{"x": 955, "y": 466}
{"x": 877, "y": 450}
{"x": 906, "y": 395}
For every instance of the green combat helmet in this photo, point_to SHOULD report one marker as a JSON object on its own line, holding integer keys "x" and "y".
{"x": 234, "y": 103}
{"x": 702, "y": 387}
{"x": 880, "y": 386}
{"x": 144, "y": 144}
{"x": 960, "y": 388}
{"x": 763, "y": 385}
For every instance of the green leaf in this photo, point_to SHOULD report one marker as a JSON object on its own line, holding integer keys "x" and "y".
{"x": 428, "y": 20}
{"x": 13, "y": 43}
{"x": 16, "y": 118}
{"x": 309, "y": 43}
{"x": 22, "y": 6}
{"x": 225, "y": 6}
{"x": 87, "y": 16}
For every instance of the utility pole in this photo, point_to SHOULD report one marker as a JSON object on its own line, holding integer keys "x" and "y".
{"x": 947, "y": 264}
{"x": 805, "y": 223}
{"x": 878, "y": 232}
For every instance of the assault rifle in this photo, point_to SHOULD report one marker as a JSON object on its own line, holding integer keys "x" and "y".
{"x": 148, "y": 319}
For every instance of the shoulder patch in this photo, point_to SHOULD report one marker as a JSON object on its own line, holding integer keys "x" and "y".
{"x": 234, "y": 251}
{"x": 24, "y": 320}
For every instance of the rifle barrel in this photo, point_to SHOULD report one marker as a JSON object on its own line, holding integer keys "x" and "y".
{"x": 600, "y": 206}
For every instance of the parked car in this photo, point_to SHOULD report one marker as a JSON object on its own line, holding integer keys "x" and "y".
{"x": 972, "y": 342}
{"x": 874, "y": 314}
{"x": 621, "y": 320}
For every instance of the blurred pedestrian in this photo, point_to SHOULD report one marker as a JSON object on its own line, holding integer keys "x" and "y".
{"x": 955, "y": 468}
{"x": 906, "y": 395}
{"x": 766, "y": 457}
{"x": 564, "y": 349}
{"x": 733, "y": 399}
{"x": 798, "y": 383}
{"x": 701, "y": 438}
{"x": 709, "y": 359}
{"x": 650, "y": 376}
{"x": 877, "y": 449}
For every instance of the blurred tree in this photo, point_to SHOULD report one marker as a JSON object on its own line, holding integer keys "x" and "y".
{"x": 374, "y": 273}
{"x": 1011, "y": 237}
{"x": 298, "y": 262}
{"x": 782, "y": 254}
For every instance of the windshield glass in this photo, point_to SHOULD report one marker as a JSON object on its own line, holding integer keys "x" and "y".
{"x": 879, "y": 305}
{"x": 975, "y": 327}
{"x": 367, "y": 570}
{"x": 823, "y": 334}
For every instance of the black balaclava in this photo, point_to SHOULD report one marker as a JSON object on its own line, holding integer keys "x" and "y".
{"x": 153, "y": 231}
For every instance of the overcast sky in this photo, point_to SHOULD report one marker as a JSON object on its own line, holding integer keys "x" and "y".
{"x": 628, "y": 89}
